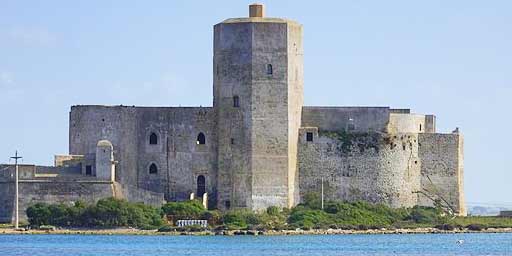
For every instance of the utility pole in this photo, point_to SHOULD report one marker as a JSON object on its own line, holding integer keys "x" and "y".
{"x": 322, "y": 192}
{"x": 16, "y": 199}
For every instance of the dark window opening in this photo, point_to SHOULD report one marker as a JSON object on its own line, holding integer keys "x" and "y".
{"x": 236, "y": 101}
{"x": 88, "y": 170}
{"x": 270, "y": 70}
{"x": 153, "y": 139}
{"x": 201, "y": 139}
{"x": 403, "y": 146}
{"x": 153, "y": 169}
{"x": 103, "y": 119}
{"x": 201, "y": 185}
{"x": 232, "y": 141}
{"x": 227, "y": 203}
{"x": 309, "y": 136}
{"x": 420, "y": 127}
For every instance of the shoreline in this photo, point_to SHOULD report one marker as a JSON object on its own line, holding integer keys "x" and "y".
{"x": 132, "y": 231}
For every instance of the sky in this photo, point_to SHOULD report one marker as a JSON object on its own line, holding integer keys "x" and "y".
{"x": 450, "y": 58}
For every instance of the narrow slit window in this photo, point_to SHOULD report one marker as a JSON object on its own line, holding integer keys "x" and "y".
{"x": 270, "y": 69}
{"x": 201, "y": 185}
{"x": 420, "y": 127}
{"x": 236, "y": 101}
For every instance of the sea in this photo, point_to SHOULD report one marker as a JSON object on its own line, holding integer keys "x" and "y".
{"x": 322, "y": 245}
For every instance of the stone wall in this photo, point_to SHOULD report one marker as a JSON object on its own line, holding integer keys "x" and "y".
{"x": 442, "y": 170}
{"x": 258, "y": 61}
{"x": 179, "y": 160}
{"x": 406, "y": 123}
{"x": 374, "y": 167}
{"x": 353, "y": 119}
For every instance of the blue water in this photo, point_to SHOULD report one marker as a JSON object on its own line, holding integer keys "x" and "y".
{"x": 324, "y": 245}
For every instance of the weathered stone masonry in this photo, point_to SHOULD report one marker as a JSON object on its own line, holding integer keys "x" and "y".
{"x": 256, "y": 146}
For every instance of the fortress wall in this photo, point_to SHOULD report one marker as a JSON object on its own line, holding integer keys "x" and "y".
{"x": 374, "y": 167}
{"x": 407, "y": 123}
{"x": 442, "y": 169}
{"x": 180, "y": 160}
{"x": 117, "y": 124}
{"x": 177, "y": 156}
{"x": 364, "y": 119}
{"x": 32, "y": 191}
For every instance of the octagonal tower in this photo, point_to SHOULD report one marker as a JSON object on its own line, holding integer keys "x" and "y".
{"x": 258, "y": 96}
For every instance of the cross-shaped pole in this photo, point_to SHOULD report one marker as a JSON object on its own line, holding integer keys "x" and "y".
{"x": 16, "y": 200}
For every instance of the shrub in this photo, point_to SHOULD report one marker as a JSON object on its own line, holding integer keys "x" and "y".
{"x": 273, "y": 211}
{"x": 108, "y": 212}
{"x": 188, "y": 209}
{"x": 167, "y": 229}
{"x": 445, "y": 226}
{"x": 476, "y": 227}
{"x": 240, "y": 219}
{"x": 312, "y": 200}
{"x": 39, "y": 214}
{"x": 307, "y": 218}
{"x": 420, "y": 214}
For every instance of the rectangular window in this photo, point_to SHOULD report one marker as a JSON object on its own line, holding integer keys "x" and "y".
{"x": 309, "y": 136}
{"x": 420, "y": 127}
{"x": 236, "y": 101}
{"x": 88, "y": 170}
{"x": 232, "y": 141}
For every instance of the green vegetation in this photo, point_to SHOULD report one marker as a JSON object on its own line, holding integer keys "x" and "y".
{"x": 105, "y": 213}
{"x": 309, "y": 215}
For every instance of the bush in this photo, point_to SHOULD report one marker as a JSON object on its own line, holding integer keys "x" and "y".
{"x": 108, "y": 212}
{"x": 308, "y": 218}
{"x": 445, "y": 227}
{"x": 421, "y": 214}
{"x": 240, "y": 219}
{"x": 273, "y": 211}
{"x": 192, "y": 209}
{"x": 476, "y": 227}
{"x": 167, "y": 229}
{"x": 39, "y": 214}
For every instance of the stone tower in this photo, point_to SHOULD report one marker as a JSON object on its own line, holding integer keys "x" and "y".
{"x": 258, "y": 97}
{"x": 105, "y": 167}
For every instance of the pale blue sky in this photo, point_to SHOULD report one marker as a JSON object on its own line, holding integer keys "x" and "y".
{"x": 451, "y": 58}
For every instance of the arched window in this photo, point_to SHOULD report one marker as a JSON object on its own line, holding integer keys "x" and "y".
{"x": 236, "y": 101}
{"x": 153, "y": 139}
{"x": 201, "y": 185}
{"x": 270, "y": 70}
{"x": 201, "y": 139}
{"x": 153, "y": 169}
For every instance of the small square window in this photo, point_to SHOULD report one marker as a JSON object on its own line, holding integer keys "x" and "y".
{"x": 309, "y": 136}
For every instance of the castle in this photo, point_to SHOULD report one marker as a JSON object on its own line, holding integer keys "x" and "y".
{"x": 257, "y": 146}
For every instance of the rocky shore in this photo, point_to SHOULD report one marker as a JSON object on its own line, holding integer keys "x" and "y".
{"x": 132, "y": 231}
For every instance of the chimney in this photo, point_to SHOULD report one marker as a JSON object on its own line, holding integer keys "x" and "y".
{"x": 256, "y": 10}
